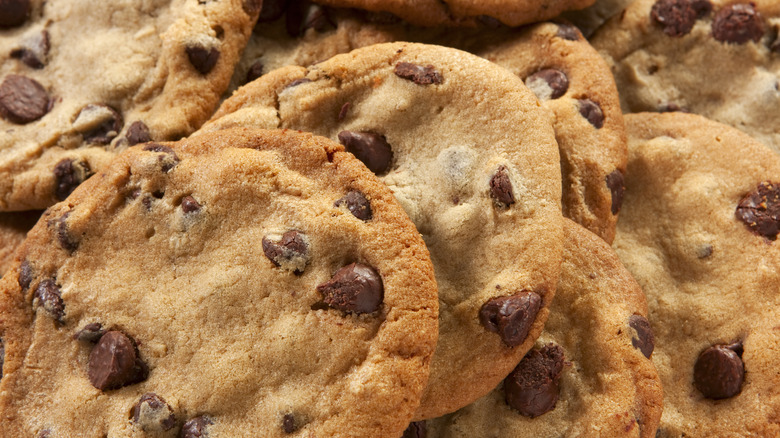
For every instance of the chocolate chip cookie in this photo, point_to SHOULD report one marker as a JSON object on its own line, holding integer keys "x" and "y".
{"x": 716, "y": 58}
{"x": 698, "y": 231}
{"x": 82, "y": 80}
{"x": 470, "y": 153}
{"x": 13, "y": 230}
{"x": 244, "y": 283}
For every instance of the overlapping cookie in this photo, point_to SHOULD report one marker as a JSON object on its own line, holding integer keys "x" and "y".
{"x": 717, "y": 58}
{"x": 470, "y": 154}
{"x": 81, "y": 80}
{"x": 244, "y": 283}
{"x": 698, "y": 231}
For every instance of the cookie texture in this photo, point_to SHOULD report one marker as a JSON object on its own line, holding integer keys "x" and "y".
{"x": 82, "y": 80}
{"x": 590, "y": 374}
{"x": 13, "y": 230}
{"x": 219, "y": 287}
{"x": 472, "y": 159}
{"x": 696, "y": 234}
{"x": 719, "y": 59}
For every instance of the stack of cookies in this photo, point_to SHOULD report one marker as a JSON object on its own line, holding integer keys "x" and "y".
{"x": 389, "y": 218}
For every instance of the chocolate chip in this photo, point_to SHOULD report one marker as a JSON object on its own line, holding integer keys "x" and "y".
{"x": 48, "y": 296}
{"x": 702, "y": 8}
{"x": 548, "y": 83}
{"x": 138, "y": 132}
{"x": 288, "y": 423}
{"x": 305, "y": 15}
{"x": 501, "y": 187}
{"x": 370, "y": 148}
{"x": 25, "y": 275}
{"x": 189, "y": 205}
{"x": 272, "y": 10}
{"x": 760, "y": 210}
{"x": 511, "y": 317}
{"x": 417, "y": 429}
{"x": 34, "y": 50}
{"x": 168, "y": 160}
{"x": 196, "y": 428}
{"x": 491, "y": 22}
{"x": 677, "y": 17}
{"x": 738, "y": 23}
{"x": 617, "y": 188}
{"x": 644, "y": 339}
{"x": 357, "y": 204}
{"x": 532, "y": 387}
{"x": 2, "y": 356}
{"x": 719, "y": 371}
{"x": 252, "y": 6}
{"x": 672, "y": 107}
{"x": 66, "y": 239}
{"x": 91, "y": 333}
{"x": 22, "y": 100}
{"x": 592, "y": 112}
{"x": 14, "y": 12}
{"x": 354, "y": 288}
{"x": 568, "y": 32}
{"x": 378, "y": 17}
{"x": 255, "y": 71}
{"x": 153, "y": 414}
{"x": 290, "y": 252}
{"x": 418, "y": 74}
{"x": 98, "y": 123}
{"x": 45, "y": 433}
{"x": 202, "y": 58}
{"x": 344, "y": 110}
{"x": 114, "y": 362}
{"x": 68, "y": 174}
{"x": 297, "y": 82}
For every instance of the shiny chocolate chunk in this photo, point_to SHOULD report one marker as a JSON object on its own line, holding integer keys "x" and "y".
{"x": 68, "y": 174}
{"x": 152, "y": 414}
{"x": 417, "y": 429}
{"x": 719, "y": 372}
{"x": 501, "y": 187}
{"x": 644, "y": 340}
{"x": 532, "y": 387}
{"x": 67, "y": 240}
{"x": 291, "y": 252}
{"x": 617, "y": 188}
{"x": 197, "y": 427}
{"x": 25, "y": 275}
{"x": 138, "y": 132}
{"x": 14, "y": 12}
{"x": 305, "y": 15}
{"x": 288, "y": 423}
{"x": 272, "y": 10}
{"x": 98, "y": 123}
{"x": 548, "y": 83}
{"x": 33, "y": 50}
{"x": 114, "y": 362}
{"x": 202, "y": 58}
{"x": 738, "y": 23}
{"x": 22, "y": 100}
{"x": 370, "y": 148}
{"x": 91, "y": 333}
{"x": 512, "y": 316}
{"x": 592, "y": 112}
{"x": 760, "y": 210}
{"x": 677, "y": 17}
{"x": 168, "y": 158}
{"x": 48, "y": 296}
{"x": 357, "y": 204}
{"x": 355, "y": 288}
{"x": 418, "y": 74}
{"x": 568, "y": 32}
{"x": 189, "y": 205}
{"x": 255, "y": 71}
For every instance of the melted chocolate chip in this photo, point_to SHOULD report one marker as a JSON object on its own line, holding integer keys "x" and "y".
{"x": 196, "y": 428}
{"x": 677, "y": 17}
{"x": 153, "y": 414}
{"x": 66, "y": 239}
{"x": 202, "y": 58}
{"x": 91, "y": 333}
{"x": 592, "y": 112}
{"x": 25, "y": 275}
{"x": 68, "y": 174}
{"x": 418, "y": 74}
{"x": 288, "y": 423}
{"x": 354, "y": 288}
{"x": 22, "y": 100}
{"x": 738, "y": 23}
{"x": 168, "y": 160}
{"x": 357, "y": 204}
{"x": 568, "y": 32}
{"x": 370, "y": 148}
{"x": 47, "y": 295}
{"x": 511, "y": 317}
{"x": 98, "y": 123}
{"x": 45, "y": 433}
{"x": 255, "y": 71}
{"x": 719, "y": 371}
{"x": 501, "y": 187}
{"x": 34, "y": 50}
{"x": 114, "y": 362}
{"x": 290, "y": 252}
{"x": 532, "y": 387}
{"x": 417, "y": 429}
{"x": 344, "y": 110}
{"x": 272, "y": 10}
{"x": 702, "y": 8}
{"x": 305, "y": 15}
{"x": 617, "y": 188}
{"x": 548, "y": 83}
{"x": 760, "y": 210}
{"x": 644, "y": 340}
{"x": 138, "y": 132}
{"x": 189, "y": 205}
{"x": 14, "y": 12}
{"x": 2, "y": 357}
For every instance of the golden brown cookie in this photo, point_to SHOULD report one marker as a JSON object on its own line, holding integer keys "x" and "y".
{"x": 13, "y": 230}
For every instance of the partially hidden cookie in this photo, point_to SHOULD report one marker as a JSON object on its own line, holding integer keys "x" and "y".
{"x": 698, "y": 231}
{"x": 244, "y": 283}
{"x": 716, "y": 58}
{"x": 13, "y": 230}
{"x": 470, "y": 154}
{"x": 82, "y": 80}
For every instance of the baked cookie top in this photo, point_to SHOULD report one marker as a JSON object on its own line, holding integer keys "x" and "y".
{"x": 243, "y": 283}
{"x": 698, "y": 231}
{"x": 590, "y": 374}
{"x": 82, "y": 80}
{"x": 472, "y": 159}
{"x": 716, "y": 58}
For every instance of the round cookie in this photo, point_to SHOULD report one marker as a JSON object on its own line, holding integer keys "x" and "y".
{"x": 589, "y": 374}
{"x": 473, "y": 161}
{"x": 81, "y": 80}
{"x": 13, "y": 230}
{"x": 698, "y": 231}
{"x": 716, "y": 58}
{"x": 244, "y": 283}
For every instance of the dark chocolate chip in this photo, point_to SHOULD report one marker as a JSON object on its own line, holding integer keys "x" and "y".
{"x": 354, "y": 288}
{"x": 738, "y": 23}
{"x": 760, "y": 210}
{"x": 378, "y": 17}
{"x": 357, "y": 204}
{"x": 189, "y": 205}
{"x": 719, "y": 371}
{"x": 677, "y": 17}
{"x": 569, "y": 32}
{"x": 68, "y": 174}
{"x": 255, "y": 71}
{"x": 297, "y": 82}
{"x": 418, "y": 74}
{"x": 288, "y": 423}
{"x": 153, "y": 414}
{"x": 532, "y": 387}
{"x": 272, "y": 10}
{"x": 511, "y": 317}
{"x": 138, "y": 132}
{"x": 196, "y": 428}
{"x": 672, "y": 107}
{"x": 114, "y": 362}
{"x": 91, "y": 333}
{"x": 592, "y": 112}
{"x": 617, "y": 188}
{"x": 45, "y": 433}
{"x": 48, "y": 296}
{"x": 168, "y": 160}
{"x": 2, "y": 356}
{"x": 344, "y": 110}
{"x": 34, "y": 50}
{"x": 22, "y": 100}
{"x": 67, "y": 240}
{"x": 556, "y": 80}
{"x": 14, "y": 12}
{"x": 370, "y": 148}
{"x": 25, "y": 275}
{"x": 501, "y": 187}
{"x": 103, "y": 123}
{"x": 702, "y": 8}
{"x": 252, "y": 7}
{"x": 202, "y": 58}
{"x": 305, "y": 15}
{"x": 491, "y": 22}
{"x": 417, "y": 429}
{"x": 290, "y": 251}
{"x": 644, "y": 340}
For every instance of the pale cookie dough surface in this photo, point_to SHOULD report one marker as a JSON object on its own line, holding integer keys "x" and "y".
{"x": 698, "y": 231}
{"x": 13, "y": 230}
{"x": 219, "y": 326}
{"x": 81, "y": 80}
{"x": 719, "y": 59}
{"x": 462, "y": 135}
